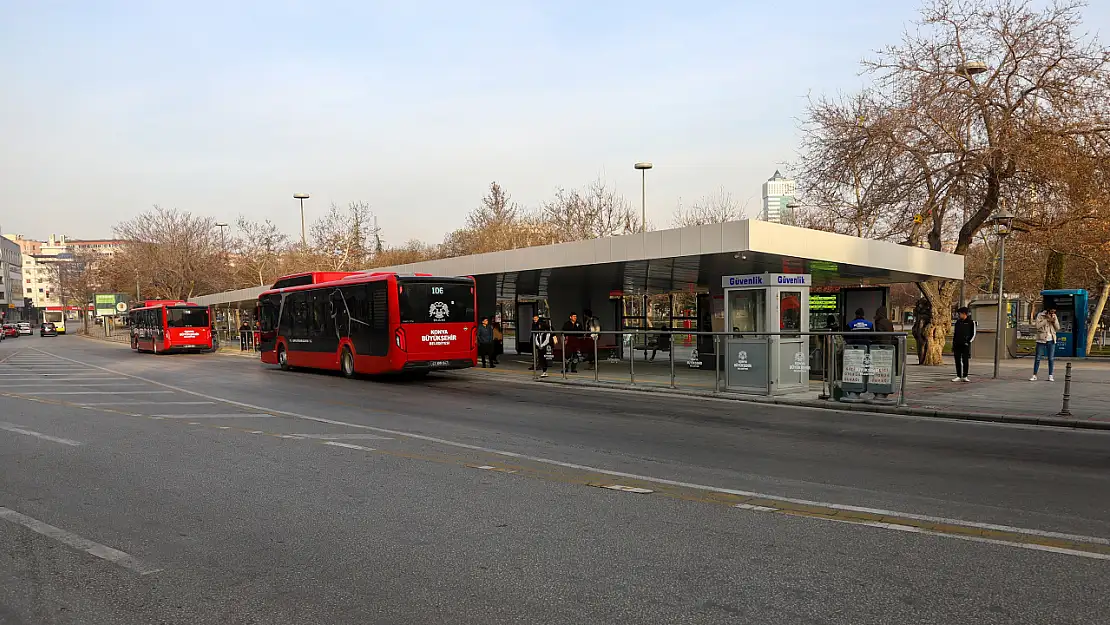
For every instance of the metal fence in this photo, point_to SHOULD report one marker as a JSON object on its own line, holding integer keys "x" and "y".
{"x": 850, "y": 367}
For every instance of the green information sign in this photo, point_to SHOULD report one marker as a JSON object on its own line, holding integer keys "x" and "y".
{"x": 818, "y": 301}
{"x": 109, "y": 304}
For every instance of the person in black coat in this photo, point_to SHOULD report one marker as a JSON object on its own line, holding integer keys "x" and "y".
{"x": 571, "y": 342}
{"x": 962, "y": 337}
{"x": 485, "y": 343}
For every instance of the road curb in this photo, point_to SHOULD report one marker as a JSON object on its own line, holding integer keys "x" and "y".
{"x": 911, "y": 411}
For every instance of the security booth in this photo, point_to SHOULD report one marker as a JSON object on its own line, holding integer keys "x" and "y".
{"x": 757, "y": 304}
{"x": 1071, "y": 310}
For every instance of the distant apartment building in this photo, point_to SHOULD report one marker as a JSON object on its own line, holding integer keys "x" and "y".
{"x": 38, "y": 279}
{"x": 778, "y": 196}
{"x": 11, "y": 281}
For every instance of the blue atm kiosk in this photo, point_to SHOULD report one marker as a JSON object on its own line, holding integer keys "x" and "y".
{"x": 1071, "y": 310}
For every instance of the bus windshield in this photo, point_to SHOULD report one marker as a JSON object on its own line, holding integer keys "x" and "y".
{"x": 187, "y": 317}
{"x": 436, "y": 302}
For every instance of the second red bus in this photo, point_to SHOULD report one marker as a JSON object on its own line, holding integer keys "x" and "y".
{"x": 162, "y": 327}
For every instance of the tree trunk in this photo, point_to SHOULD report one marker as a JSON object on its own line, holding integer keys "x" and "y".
{"x": 1054, "y": 271}
{"x": 939, "y": 294}
{"x": 1092, "y": 321}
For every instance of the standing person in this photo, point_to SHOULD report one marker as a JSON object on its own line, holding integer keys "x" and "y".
{"x": 244, "y": 336}
{"x": 541, "y": 339}
{"x": 498, "y": 342}
{"x": 485, "y": 342}
{"x": 859, "y": 324}
{"x": 662, "y": 342}
{"x": 592, "y": 325}
{"x": 883, "y": 324}
{"x": 1047, "y": 326}
{"x": 922, "y": 315}
{"x": 962, "y": 337}
{"x": 570, "y": 346}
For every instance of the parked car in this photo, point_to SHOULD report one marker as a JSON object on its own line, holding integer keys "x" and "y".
{"x": 11, "y": 331}
{"x": 24, "y": 328}
{"x": 48, "y": 329}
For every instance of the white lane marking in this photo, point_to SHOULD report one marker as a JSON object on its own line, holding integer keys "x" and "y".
{"x": 748, "y": 506}
{"x": 45, "y": 379}
{"x": 229, "y": 415}
{"x": 11, "y": 427}
{"x": 974, "y": 539}
{"x": 77, "y": 542}
{"x": 349, "y": 446}
{"x": 329, "y": 437}
{"x": 51, "y": 384}
{"x": 95, "y": 392}
{"x": 159, "y": 403}
{"x": 634, "y": 476}
{"x": 626, "y": 489}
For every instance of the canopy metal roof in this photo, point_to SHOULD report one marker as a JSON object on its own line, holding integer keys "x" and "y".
{"x": 684, "y": 259}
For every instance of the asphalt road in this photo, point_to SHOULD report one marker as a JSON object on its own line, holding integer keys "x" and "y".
{"x": 211, "y": 489}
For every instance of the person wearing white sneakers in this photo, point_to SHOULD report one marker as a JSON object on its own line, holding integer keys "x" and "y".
{"x": 962, "y": 337}
{"x": 1047, "y": 325}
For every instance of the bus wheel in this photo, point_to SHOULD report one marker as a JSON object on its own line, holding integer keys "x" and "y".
{"x": 347, "y": 363}
{"x": 283, "y": 359}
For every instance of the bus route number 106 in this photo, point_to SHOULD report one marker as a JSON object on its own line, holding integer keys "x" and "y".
{"x": 437, "y": 290}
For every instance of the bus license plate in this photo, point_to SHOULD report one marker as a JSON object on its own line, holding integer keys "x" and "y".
{"x": 440, "y": 363}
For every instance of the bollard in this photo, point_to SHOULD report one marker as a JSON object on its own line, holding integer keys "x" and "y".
{"x": 632, "y": 360}
{"x": 597, "y": 377}
{"x": 716, "y": 363}
{"x": 1065, "y": 410}
{"x": 563, "y": 342}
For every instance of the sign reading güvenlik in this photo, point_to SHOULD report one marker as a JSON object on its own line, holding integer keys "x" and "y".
{"x": 767, "y": 279}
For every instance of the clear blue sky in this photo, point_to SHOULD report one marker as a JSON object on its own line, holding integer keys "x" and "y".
{"x": 228, "y": 108}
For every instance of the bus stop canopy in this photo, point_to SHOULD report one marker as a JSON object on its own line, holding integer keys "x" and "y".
{"x": 682, "y": 259}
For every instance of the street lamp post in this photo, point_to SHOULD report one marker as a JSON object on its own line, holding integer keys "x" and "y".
{"x": 302, "y": 197}
{"x": 970, "y": 70}
{"x": 643, "y": 167}
{"x": 1003, "y": 219}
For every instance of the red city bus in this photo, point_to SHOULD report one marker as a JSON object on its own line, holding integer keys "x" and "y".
{"x": 162, "y": 326}
{"x": 371, "y": 323}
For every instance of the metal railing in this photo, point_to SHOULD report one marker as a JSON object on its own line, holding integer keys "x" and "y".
{"x": 868, "y": 376}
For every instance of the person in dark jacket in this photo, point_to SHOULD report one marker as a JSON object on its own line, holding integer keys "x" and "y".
{"x": 859, "y": 324}
{"x": 542, "y": 339}
{"x": 571, "y": 343}
{"x": 244, "y": 336}
{"x": 882, "y": 324}
{"x": 485, "y": 342}
{"x": 962, "y": 337}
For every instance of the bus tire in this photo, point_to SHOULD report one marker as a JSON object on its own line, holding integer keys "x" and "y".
{"x": 283, "y": 359}
{"x": 347, "y": 363}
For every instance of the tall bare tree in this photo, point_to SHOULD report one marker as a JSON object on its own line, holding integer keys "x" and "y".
{"x": 589, "y": 213}
{"x": 77, "y": 280}
{"x": 171, "y": 254}
{"x": 346, "y": 238}
{"x": 975, "y": 105}
{"x": 258, "y": 247}
{"x": 711, "y": 209}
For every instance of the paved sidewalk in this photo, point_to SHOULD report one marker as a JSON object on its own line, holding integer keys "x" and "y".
{"x": 929, "y": 390}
